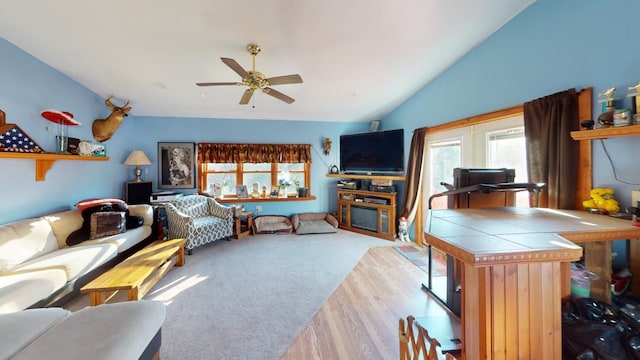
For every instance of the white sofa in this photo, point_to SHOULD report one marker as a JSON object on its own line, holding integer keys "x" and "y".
{"x": 38, "y": 269}
{"x": 127, "y": 330}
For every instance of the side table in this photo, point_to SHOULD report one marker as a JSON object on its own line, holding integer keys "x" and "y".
{"x": 242, "y": 224}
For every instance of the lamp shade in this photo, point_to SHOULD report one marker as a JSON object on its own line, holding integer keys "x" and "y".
{"x": 137, "y": 157}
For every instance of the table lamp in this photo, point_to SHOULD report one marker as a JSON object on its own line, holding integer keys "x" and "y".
{"x": 137, "y": 158}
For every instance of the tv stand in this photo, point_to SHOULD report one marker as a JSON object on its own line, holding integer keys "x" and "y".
{"x": 368, "y": 212}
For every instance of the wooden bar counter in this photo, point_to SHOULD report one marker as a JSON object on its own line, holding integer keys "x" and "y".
{"x": 516, "y": 271}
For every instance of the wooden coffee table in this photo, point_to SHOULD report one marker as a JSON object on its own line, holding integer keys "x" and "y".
{"x": 138, "y": 273}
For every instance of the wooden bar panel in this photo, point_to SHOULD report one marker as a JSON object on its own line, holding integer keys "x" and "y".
{"x": 512, "y": 295}
{"x": 597, "y": 258}
{"x": 473, "y": 300}
{"x": 498, "y": 319}
{"x": 517, "y": 312}
{"x": 535, "y": 286}
{"x": 524, "y": 312}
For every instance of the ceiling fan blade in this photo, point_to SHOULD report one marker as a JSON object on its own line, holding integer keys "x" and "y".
{"x": 286, "y": 79}
{"x": 235, "y": 67}
{"x": 278, "y": 95}
{"x": 217, "y": 83}
{"x": 246, "y": 97}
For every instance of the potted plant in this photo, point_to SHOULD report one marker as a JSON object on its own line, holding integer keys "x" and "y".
{"x": 302, "y": 191}
{"x": 284, "y": 186}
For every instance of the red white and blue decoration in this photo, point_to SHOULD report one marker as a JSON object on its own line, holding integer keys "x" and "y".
{"x": 13, "y": 139}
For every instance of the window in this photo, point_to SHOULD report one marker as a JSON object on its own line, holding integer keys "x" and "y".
{"x": 258, "y": 166}
{"x": 288, "y": 176}
{"x": 493, "y": 144}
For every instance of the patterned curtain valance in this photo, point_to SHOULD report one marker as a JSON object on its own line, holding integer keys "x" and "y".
{"x": 254, "y": 153}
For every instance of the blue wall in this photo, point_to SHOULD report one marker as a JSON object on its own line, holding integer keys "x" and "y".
{"x": 28, "y": 86}
{"x": 551, "y": 46}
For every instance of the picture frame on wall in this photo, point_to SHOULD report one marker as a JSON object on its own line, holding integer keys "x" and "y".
{"x": 176, "y": 165}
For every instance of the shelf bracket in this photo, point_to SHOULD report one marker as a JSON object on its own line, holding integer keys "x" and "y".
{"x": 42, "y": 166}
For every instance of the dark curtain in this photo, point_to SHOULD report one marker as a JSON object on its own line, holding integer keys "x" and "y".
{"x": 253, "y": 153}
{"x": 414, "y": 175}
{"x": 552, "y": 155}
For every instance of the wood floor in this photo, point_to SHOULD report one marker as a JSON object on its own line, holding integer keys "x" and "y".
{"x": 360, "y": 319}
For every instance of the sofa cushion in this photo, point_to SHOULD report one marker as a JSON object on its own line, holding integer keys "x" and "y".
{"x": 64, "y": 223}
{"x": 123, "y": 241}
{"x": 26, "y": 326}
{"x": 75, "y": 260}
{"x": 19, "y": 290}
{"x": 24, "y": 240}
{"x": 125, "y": 329}
{"x": 107, "y": 223}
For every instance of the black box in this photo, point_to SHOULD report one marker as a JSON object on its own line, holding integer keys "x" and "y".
{"x": 349, "y": 184}
{"x": 383, "y": 188}
{"x": 137, "y": 192}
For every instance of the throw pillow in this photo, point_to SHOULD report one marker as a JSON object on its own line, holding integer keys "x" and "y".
{"x": 134, "y": 221}
{"x": 88, "y": 203}
{"x": 84, "y": 232}
{"x": 77, "y": 237}
{"x": 107, "y": 223}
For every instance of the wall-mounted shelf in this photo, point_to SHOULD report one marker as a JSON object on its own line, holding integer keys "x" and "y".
{"x": 605, "y": 133}
{"x": 44, "y": 161}
{"x": 355, "y": 176}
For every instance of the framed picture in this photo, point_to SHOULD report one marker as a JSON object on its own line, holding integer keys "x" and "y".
{"x": 275, "y": 190}
{"x": 242, "y": 192}
{"x": 176, "y": 165}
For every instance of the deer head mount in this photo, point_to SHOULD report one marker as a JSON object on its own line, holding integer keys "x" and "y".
{"x": 103, "y": 129}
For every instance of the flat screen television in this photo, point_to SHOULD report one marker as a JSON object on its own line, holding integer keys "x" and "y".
{"x": 374, "y": 153}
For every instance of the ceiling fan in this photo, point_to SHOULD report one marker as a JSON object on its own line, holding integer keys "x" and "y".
{"x": 256, "y": 80}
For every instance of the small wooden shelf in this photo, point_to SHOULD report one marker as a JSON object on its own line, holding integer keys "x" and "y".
{"x": 44, "y": 161}
{"x": 605, "y": 133}
{"x": 356, "y": 176}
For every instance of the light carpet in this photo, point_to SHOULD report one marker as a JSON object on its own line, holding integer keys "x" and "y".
{"x": 251, "y": 298}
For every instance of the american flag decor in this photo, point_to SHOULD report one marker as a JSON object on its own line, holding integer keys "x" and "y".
{"x": 13, "y": 139}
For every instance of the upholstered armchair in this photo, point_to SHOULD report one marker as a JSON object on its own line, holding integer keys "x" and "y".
{"x": 199, "y": 219}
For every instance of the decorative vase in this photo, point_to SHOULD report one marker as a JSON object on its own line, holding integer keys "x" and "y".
{"x": 62, "y": 139}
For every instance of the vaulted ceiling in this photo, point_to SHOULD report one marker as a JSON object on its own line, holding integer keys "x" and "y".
{"x": 358, "y": 59}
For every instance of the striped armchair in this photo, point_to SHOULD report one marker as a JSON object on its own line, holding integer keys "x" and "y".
{"x": 199, "y": 219}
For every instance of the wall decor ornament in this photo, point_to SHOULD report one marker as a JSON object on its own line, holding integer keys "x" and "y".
{"x": 176, "y": 165}
{"x": 103, "y": 129}
{"x": 63, "y": 119}
{"x": 13, "y": 139}
{"x": 326, "y": 146}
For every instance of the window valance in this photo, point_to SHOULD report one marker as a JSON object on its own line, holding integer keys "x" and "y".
{"x": 254, "y": 153}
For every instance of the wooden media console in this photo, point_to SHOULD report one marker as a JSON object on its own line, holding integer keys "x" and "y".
{"x": 368, "y": 212}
